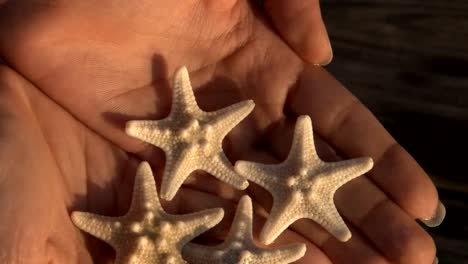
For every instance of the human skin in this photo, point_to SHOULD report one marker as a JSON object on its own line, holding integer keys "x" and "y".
{"x": 74, "y": 72}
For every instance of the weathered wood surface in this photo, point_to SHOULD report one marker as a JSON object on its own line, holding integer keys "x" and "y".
{"x": 407, "y": 60}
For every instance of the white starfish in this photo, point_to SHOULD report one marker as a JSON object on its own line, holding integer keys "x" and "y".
{"x": 303, "y": 185}
{"x": 192, "y": 138}
{"x": 147, "y": 234}
{"x": 239, "y": 247}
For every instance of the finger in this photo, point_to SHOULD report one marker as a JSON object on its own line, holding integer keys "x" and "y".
{"x": 353, "y": 131}
{"x": 313, "y": 253}
{"x": 300, "y": 23}
{"x": 359, "y": 201}
{"x": 33, "y": 212}
{"x": 368, "y": 209}
{"x": 356, "y": 250}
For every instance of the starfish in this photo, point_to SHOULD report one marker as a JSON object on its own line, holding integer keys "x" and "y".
{"x": 192, "y": 138}
{"x": 239, "y": 246}
{"x": 303, "y": 185}
{"x": 146, "y": 233}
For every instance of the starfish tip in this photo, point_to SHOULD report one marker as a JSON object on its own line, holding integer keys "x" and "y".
{"x": 216, "y": 215}
{"x": 166, "y": 195}
{"x": 181, "y": 70}
{"x": 76, "y": 217}
{"x": 265, "y": 238}
{"x": 301, "y": 249}
{"x": 303, "y": 118}
{"x": 144, "y": 167}
{"x": 250, "y": 104}
{"x": 344, "y": 235}
{"x": 244, "y": 185}
{"x": 241, "y": 166}
{"x": 367, "y": 163}
{"x": 131, "y": 128}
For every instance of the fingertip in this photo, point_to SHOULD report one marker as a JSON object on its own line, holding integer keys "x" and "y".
{"x": 300, "y": 23}
{"x": 405, "y": 182}
{"x": 437, "y": 218}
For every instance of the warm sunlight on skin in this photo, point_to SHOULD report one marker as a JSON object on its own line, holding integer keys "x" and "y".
{"x": 75, "y": 71}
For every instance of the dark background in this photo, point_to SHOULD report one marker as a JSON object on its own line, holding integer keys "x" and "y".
{"x": 408, "y": 62}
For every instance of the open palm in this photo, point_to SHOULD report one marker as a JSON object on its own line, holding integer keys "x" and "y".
{"x": 75, "y": 72}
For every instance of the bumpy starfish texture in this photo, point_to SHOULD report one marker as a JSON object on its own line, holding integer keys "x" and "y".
{"x": 239, "y": 247}
{"x": 303, "y": 185}
{"x": 147, "y": 234}
{"x": 192, "y": 138}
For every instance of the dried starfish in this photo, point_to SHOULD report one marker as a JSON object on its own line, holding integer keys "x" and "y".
{"x": 147, "y": 234}
{"x": 303, "y": 185}
{"x": 239, "y": 246}
{"x": 192, "y": 138}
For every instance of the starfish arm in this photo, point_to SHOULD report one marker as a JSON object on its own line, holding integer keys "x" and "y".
{"x": 156, "y": 132}
{"x": 225, "y": 119}
{"x": 282, "y": 215}
{"x": 177, "y": 169}
{"x": 261, "y": 174}
{"x": 102, "y": 227}
{"x": 282, "y": 255}
{"x": 220, "y": 167}
{"x": 192, "y": 225}
{"x": 329, "y": 218}
{"x": 145, "y": 196}
{"x": 338, "y": 173}
{"x": 183, "y": 98}
{"x": 242, "y": 224}
{"x": 303, "y": 152}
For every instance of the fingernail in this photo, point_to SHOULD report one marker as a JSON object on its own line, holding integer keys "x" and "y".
{"x": 437, "y": 218}
{"x": 436, "y": 261}
{"x": 330, "y": 59}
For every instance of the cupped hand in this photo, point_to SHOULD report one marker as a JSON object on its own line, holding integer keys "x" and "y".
{"x": 75, "y": 71}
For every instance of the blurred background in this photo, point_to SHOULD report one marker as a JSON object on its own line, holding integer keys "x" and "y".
{"x": 407, "y": 60}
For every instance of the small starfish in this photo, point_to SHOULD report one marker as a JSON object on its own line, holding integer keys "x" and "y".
{"x": 192, "y": 138}
{"x": 147, "y": 234}
{"x": 239, "y": 246}
{"x": 303, "y": 185}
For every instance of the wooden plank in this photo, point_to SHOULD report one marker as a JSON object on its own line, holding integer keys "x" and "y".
{"x": 407, "y": 60}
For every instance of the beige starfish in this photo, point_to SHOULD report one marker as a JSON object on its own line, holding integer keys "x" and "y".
{"x": 192, "y": 138}
{"x": 303, "y": 185}
{"x": 147, "y": 234}
{"x": 239, "y": 246}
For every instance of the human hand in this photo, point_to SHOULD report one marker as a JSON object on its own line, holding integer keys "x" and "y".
{"x": 84, "y": 68}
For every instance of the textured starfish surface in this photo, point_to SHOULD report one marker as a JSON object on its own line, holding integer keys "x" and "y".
{"x": 192, "y": 138}
{"x": 147, "y": 234}
{"x": 303, "y": 185}
{"x": 239, "y": 246}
